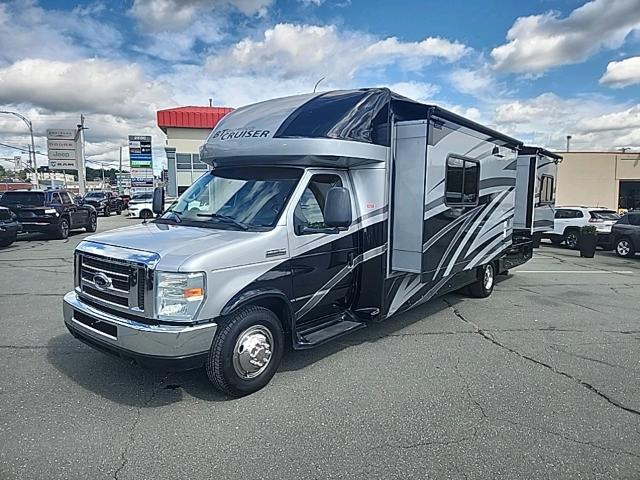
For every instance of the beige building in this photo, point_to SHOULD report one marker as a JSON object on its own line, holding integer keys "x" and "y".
{"x": 606, "y": 179}
{"x": 186, "y": 128}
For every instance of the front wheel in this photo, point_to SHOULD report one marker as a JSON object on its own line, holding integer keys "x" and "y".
{"x": 5, "y": 242}
{"x": 483, "y": 287}
{"x": 624, "y": 248}
{"x": 92, "y": 226}
{"x": 246, "y": 351}
{"x": 146, "y": 214}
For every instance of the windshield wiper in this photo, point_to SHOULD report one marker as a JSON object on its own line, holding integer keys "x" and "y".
{"x": 226, "y": 218}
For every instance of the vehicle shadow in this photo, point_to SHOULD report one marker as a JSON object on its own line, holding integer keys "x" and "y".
{"x": 125, "y": 383}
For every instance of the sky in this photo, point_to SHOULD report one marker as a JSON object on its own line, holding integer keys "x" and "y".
{"x": 538, "y": 70}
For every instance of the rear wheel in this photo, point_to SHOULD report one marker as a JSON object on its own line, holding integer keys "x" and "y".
{"x": 92, "y": 226}
{"x": 246, "y": 351}
{"x": 483, "y": 287}
{"x": 571, "y": 239}
{"x": 624, "y": 248}
{"x": 146, "y": 214}
{"x": 62, "y": 230}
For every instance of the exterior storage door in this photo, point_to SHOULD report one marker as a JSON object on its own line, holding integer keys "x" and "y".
{"x": 408, "y": 196}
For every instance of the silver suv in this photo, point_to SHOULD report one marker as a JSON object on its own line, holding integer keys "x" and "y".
{"x": 569, "y": 220}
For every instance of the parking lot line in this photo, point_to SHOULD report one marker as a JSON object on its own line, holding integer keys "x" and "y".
{"x": 577, "y": 271}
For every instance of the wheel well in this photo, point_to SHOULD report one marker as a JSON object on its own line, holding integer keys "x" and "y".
{"x": 570, "y": 229}
{"x": 278, "y": 306}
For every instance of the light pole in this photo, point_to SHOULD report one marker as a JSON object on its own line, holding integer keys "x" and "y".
{"x": 33, "y": 145}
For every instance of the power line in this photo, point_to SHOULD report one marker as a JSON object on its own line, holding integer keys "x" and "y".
{"x": 23, "y": 150}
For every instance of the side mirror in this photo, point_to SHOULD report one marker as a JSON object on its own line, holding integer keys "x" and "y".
{"x": 157, "y": 204}
{"x": 337, "y": 208}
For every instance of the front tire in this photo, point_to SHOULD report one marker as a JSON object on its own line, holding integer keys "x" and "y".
{"x": 246, "y": 351}
{"x": 146, "y": 214}
{"x": 625, "y": 248}
{"x": 92, "y": 226}
{"x": 483, "y": 287}
{"x": 5, "y": 242}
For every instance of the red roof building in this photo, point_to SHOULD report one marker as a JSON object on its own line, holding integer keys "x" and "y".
{"x": 191, "y": 117}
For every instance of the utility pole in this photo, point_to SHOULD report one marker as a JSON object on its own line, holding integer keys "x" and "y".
{"x": 33, "y": 145}
{"x": 120, "y": 191}
{"x": 81, "y": 168}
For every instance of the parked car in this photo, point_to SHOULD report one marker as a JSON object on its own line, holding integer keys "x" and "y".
{"x": 568, "y": 221}
{"x": 140, "y": 205}
{"x": 9, "y": 227}
{"x": 51, "y": 212}
{"x": 626, "y": 234}
{"x": 104, "y": 202}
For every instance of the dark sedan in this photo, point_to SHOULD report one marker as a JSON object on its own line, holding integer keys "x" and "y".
{"x": 626, "y": 235}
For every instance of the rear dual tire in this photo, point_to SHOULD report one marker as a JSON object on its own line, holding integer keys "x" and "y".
{"x": 246, "y": 351}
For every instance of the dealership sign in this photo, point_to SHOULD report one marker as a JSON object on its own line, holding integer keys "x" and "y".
{"x": 141, "y": 160}
{"x": 62, "y": 149}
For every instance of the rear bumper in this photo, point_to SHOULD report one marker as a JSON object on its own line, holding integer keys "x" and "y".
{"x": 167, "y": 347}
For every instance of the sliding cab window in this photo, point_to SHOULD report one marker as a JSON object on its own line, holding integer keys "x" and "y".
{"x": 308, "y": 216}
{"x": 547, "y": 194}
{"x": 462, "y": 182}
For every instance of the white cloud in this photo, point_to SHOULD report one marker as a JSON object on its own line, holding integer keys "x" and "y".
{"x": 420, "y": 91}
{"x": 289, "y": 51}
{"x": 96, "y": 86}
{"x": 472, "y": 81}
{"x": 167, "y": 15}
{"x": 622, "y": 73}
{"x": 594, "y": 123}
{"x": 29, "y": 31}
{"x": 539, "y": 42}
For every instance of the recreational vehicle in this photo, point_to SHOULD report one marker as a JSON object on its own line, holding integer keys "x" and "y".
{"x": 536, "y": 174}
{"x": 321, "y": 214}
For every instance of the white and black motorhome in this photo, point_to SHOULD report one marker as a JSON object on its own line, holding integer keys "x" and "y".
{"x": 536, "y": 173}
{"x": 321, "y": 213}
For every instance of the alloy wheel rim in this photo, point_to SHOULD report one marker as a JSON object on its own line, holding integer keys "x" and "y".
{"x": 488, "y": 277}
{"x": 623, "y": 248}
{"x": 252, "y": 352}
{"x": 572, "y": 240}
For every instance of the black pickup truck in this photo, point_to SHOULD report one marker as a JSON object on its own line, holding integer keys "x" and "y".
{"x": 104, "y": 202}
{"x": 51, "y": 212}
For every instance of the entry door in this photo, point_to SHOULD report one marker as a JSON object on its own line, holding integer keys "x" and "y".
{"x": 321, "y": 263}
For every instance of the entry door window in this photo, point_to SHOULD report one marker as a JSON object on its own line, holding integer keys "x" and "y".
{"x": 309, "y": 211}
{"x": 462, "y": 181}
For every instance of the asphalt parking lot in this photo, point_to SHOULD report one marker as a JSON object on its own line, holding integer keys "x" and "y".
{"x": 541, "y": 380}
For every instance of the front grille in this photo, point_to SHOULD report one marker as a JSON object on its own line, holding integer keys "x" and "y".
{"x": 112, "y": 280}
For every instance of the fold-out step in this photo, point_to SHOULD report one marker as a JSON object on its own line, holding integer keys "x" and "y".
{"x": 319, "y": 335}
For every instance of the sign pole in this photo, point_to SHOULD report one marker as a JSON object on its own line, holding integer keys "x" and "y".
{"x": 81, "y": 169}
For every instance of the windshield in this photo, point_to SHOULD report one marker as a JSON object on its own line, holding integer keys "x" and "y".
{"x": 22, "y": 198}
{"x": 235, "y": 198}
{"x": 604, "y": 215}
{"x": 95, "y": 195}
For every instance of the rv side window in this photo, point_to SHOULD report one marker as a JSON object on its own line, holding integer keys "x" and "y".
{"x": 462, "y": 183}
{"x": 546, "y": 189}
{"x": 310, "y": 209}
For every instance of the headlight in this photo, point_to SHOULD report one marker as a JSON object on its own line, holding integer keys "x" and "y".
{"x": 50, "y": 211}
{"x": 179, "y": 295}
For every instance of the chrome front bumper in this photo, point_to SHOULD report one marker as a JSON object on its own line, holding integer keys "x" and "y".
{"x": 129, "y": 338}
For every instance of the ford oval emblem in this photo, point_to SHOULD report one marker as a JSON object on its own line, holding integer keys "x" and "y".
{"x": 101, "y": 281}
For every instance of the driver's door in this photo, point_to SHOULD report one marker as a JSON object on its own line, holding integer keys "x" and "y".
{"x": 321, "y": 263}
